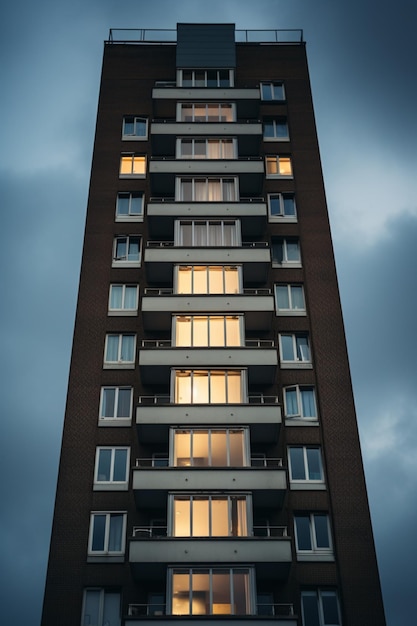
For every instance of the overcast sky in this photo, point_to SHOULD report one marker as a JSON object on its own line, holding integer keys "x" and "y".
{"x": 362, "y": 63}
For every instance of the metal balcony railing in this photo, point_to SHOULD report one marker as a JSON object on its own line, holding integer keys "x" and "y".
{"x": 163, "y": 461}
{"x": 156, "y": 532}
{"x": 204, "y": 120}
{"x": 172, "y": 244}
{"x": 168, "y": 291}
{"x": 166, "y": 399}
{"x": 167, "y": 343}
{"x": 262, "y": 608}
{"x": 158, "y": 199}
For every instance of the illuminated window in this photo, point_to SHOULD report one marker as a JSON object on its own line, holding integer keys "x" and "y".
{"x": 207, "y": 190}
{"x": 107, "y": 534}
{"x": 206, "y": 78}
{"x": 281, "y": 206}
{"x": 101, "y": 608}
{"x": 127, "y": 250}
{"x": 320, "y": 608}
{"x": 272, "y": 91}
{"x": 120, "y": 350}
{"x": 111, "y": 469}
{"x": 300, "y": 401}
{"x": 222, "y": 447}
{"x": 278, "y": 166}
{"x": 201, "y": 233}
{"x": 208, "y": 279}
{"x": 123, "y": 299}
{"x": 312, "y": 534}
{"x": 294, "y": 348}
{"x": 305, "y": 464}
{"x": 211, "y": 591}
{"x": 116, "y": 403}
{"x": 276, "y": 130}
{"x": 286, "y": 251}
{"x": 135, "y": 128}
{"x": 209, "y": 516}
{"x": 208, "y": 387}
{"x": 289, "y": 299}
{"x": 209, "y": 112}
{"x": 132, "y": 165}
{"x": 129, "y": 207}
{"x": 208, "y": 330}
{"x": 206, "y": 149}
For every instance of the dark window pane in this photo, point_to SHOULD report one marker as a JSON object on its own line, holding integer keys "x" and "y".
{"x": 302, "y": 524}
{"x": 310, "y": 610}
{"x": 297, "y": 464}
{"x": 120, "y": 458}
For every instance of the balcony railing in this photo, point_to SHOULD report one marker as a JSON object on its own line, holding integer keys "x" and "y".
{"x": 198, "y": 120}
{"x": 168, "y": 291}
{"x": 162, "y": 461}
{"x": 264, "y": 609}
{"x": 167, "y": 343}
{"x": 164, "y": 35}
{"x": 172, "y": 244}
{"x": 156, "y": 532}
{"x": 158, "y": 199}
{"x": 166, "y": 399}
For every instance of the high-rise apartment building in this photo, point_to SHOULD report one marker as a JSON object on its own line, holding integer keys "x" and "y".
{"x": 210, "y": 467}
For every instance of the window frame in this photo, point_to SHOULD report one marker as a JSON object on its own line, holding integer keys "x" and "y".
{"x": 194, "y": 81}
{"x": 120, "y": 363}
{"x": 315, "y": 553}
{"x": 283, "y": 243}
{"x": 306, "y": 483}
{"x": 123, "y": 261}
{"x": 114, "y": 420}
{"x": 179, "y": 188}
{"x": 130, "y": 217}
{"x": 113, "y": 311}
{"x": 293, "y": 311}
{"x": 211, "y": 387}
{"x": 279, "y": 161}
{"x": 281, "y": 217}
{"x": 194, "y": 331}
{"x": 101, "y": 605}
{"x": 196, "y": 118}
{"x": 222, "y": 141}
{"x": 272, "y": 85}
{"x": 111, "y": 485}
{"x": 106, "y": 552}
{"x": 193, "y": 281}
{"x": 296, "y": 362}
{"x": 276, "y": 123}
{"x": 299, "y": 389}
{"x": 227, "y": 431}
{"x": 137, "y": 119}
{"x": 319, "y": 594}
{"x": 233, "y": 240}
{"x": 135, "y": 159}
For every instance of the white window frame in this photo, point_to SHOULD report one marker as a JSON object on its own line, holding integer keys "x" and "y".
{"x": 221, "y": 141}
{"x": 246, "y": 443}
{"x": 240, "y": 319}
{"x": 307, "y": 482}
{"x": 112, "y": 484}
{"x": 210, "y": 372}
{"x": 297, "y": 361}
{"x": 280, "y": 163}
{"x": 281, "y": 217}
{"x": 283, "y": 242}
{"x": 224, "y": 268}
{"x": 114, "y": 420}
{"x": 299, "y": 389}
{"x": 124, "y": 261}
{"x": 102, "y": 620}
{"x": 123, "y": 310}
{"x": 196, "y": 110}
{"x": 195, "y": 81}
{"x": 134, "y": 159}
{"x": 291, "y": 310}
{"x": 130, "y": 217}
{"x": 272, "y": 85}
{"x": 276, "y": 122}
{"x": 235, "y": 240}
{"x": 134, "y": 136}
{"x": 179, "y": 182}
{"x": 120, "y": 363}
{"x": 106, "y": 551}
{"x": 319, "y": 594}
{"x": 315, "y": 551}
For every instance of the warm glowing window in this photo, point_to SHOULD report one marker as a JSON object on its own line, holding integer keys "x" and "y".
{"x": 209, "y": 516}
{"x": 201, "y": 233}
{"x": 277, "y": 166}
{"x": 206, "y": 148}
{"x": 208, "y": 386}
{"x": 208, "y": 279}
{"x": 211, "y": 591}
{"x": 208, "y": 330}
{"x": 207, "y": 190}
{"x": 272, "y": 91}
{"x": 206, "y": 78}
{"x": 132, "y": 165}
{"x": 276, "y": 130}
{"x": 209, "y": 112}
{"x": 226, "y": 447}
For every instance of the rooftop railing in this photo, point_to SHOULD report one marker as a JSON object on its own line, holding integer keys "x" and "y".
{"x": 169, "y": 36}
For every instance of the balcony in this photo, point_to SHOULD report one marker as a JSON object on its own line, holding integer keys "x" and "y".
{"x": 149, "y": 557}
{"x": 162, "y": 213}
{"x": 155, "y": 415}
{"x": 267, "y": 483}
{"x": 158, "y": 306}
{"x": 161, "y": 256}
{"x": 250, "y": 171}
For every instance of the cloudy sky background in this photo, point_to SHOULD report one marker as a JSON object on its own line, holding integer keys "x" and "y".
{"x": 362, "y": 64}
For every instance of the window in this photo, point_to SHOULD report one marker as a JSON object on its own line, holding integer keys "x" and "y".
{"x": 207, "y": 190}
{"x": 294, "y": 348}
{"x": 276, "y": 130}
{"x": 281, "y": 206}
{"x": 208, "y": 330}
{"x": 208, "y": 279}
{"x": 135, "y": 128}
{"x": 116, "y": 403}
{"x": 320, "y": 608}
{"x": 209, "y": 591}
{"x": 222, "y": 447}
{"x": 209, "y": 112}
{"x": 101, "y": 608}
{"x": 305, "y": 464}
{"x": 129, "y": 207}
{"x": 127, "y": 250}
{"x": 120, "y": 349}
{"x": 107, "y": 534}
{"x": 209, "y": 516}
{"x": 123, "y": 299}
{"x": 201, "y": 233}
{"x": 206, "y": 78}
{"x": 289, "y": 299}
{"x": 312, "y": 534}
{"x": 300, "y": 402}
{"x": 208, "y": 387}
{"x": 132, "y": 165}
{"x": 206, "y": 149}
{"x": 278, "y": 166}
{"x": 272, "y": 91}
{"x": 286, "y": 251}
{"x": 111, "y": 468}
